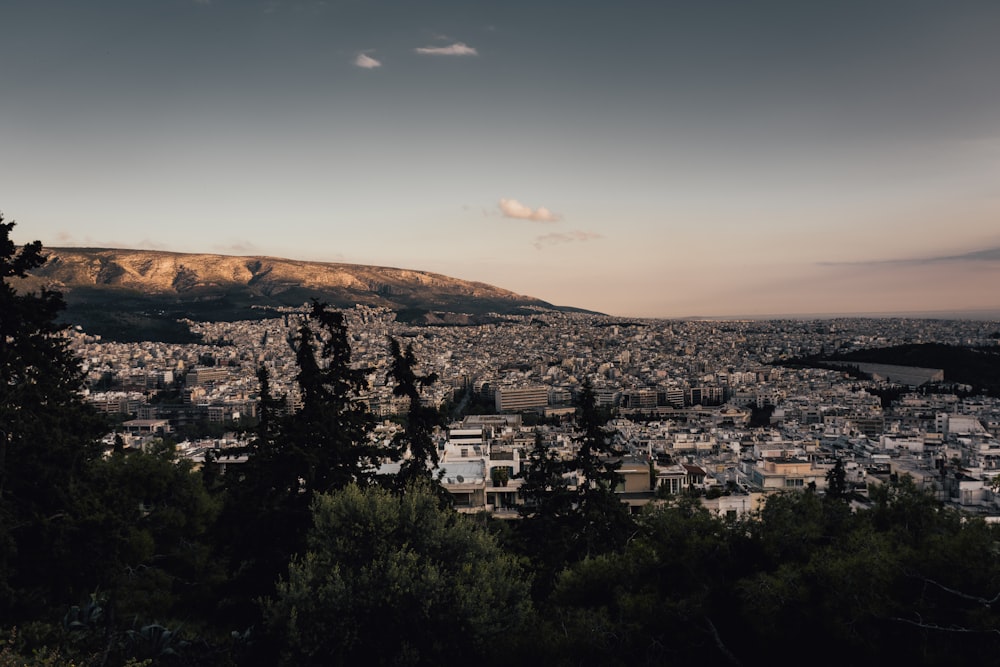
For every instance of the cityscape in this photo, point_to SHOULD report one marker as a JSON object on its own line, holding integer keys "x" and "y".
{"x": 686, "y": 397}
{"x": 721, "y": 490}
{"x": 507, "y": 332}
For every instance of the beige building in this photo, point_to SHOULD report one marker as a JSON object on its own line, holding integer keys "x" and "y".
{"x": 781, "y": 474}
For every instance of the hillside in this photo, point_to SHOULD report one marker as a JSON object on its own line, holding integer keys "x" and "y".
{"x": 977, "y": 367}
{"x": 141, "y": 294}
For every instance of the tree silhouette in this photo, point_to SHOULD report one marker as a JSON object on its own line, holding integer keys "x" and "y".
{"x": 603, "y": 522}
{"x": 48, "y": 436}
{"x": 548, "y": 513}
{"x": 322, "y": 447}
{"x": 836, "y": 480}
{"x": 415, "y": 445}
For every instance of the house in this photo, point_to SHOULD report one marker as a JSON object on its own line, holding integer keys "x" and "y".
{"x": 780, "y": 474}
{"x": 672, "y": 479}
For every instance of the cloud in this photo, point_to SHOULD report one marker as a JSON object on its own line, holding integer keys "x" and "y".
{"x": 150, "y": 244}
{"x": 987, "y": 255}
{"x": 456, "y": 49}
{"x": 365, "y": 61}
{"x": 237, "y": 248}
{"x": 511, "y": 208}
{"x": 565, "y": 237}
{"x": 67, "y": 239}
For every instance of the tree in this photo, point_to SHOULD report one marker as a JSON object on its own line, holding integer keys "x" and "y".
{"x": 147, "y": 518}
{"x": 561, "y": 524}
{"x": 395, "y": 579}
{"x": 415, "y": 445}
{"x": 836, "y": 481}
{"x": 548, "y": 512}
{"x": 907, "y": 580}
{"x": 603, "y": 522}
{"x": 323, "y": 447}
{"x": 48, "y": 437}
{"x": 660, "y": 600}
{"x": 328, "y": 439}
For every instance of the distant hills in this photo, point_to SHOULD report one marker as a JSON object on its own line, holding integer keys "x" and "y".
{"x": 141, "y": 294}
{"x": 978, "y": 367}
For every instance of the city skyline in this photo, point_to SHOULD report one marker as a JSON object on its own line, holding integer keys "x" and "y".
{"x": 644, "y": 159}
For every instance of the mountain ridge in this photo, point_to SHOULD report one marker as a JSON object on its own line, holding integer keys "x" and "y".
{"x": 108, "y": 289}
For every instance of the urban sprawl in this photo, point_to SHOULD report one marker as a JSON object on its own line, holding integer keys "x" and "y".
{"x": 697, "y": 407}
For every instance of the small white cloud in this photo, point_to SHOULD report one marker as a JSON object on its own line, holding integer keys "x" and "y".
{"x": 365, "y": 61}
{"x": 511, "y": 208}
{"x": 568, "y": 237}
{"x": 456, "y": 49}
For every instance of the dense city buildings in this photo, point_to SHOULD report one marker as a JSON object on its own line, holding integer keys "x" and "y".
{"x": 699, "y": 406}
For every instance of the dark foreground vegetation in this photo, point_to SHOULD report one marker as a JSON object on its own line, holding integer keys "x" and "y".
{"x": 302, "y": 556}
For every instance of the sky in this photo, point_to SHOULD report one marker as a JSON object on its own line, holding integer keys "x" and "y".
{"x": 656, "y": 158}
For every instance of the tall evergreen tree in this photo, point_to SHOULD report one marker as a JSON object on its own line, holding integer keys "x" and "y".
{"x": 329, "y": 437}
{"x": 545, "y": 489}
{"x": 563, "y": 525}
{"x": 603, "y": 521}
{"x": 263, "y": 519}
{"x": 322, "y": 447}
{"x": 415, "y": 444}
{"x": 836, "y": 480}
{"x": 48, "y": 437}
{"x": 546, "y": 531}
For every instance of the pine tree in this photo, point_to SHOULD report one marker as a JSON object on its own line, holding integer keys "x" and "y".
{"x": 546, "y": 531}
{"x": 48, "y": 437}
{"x": 323, "y": 447}
{"x": 545, "y": 490}
{"x": 329, "y": 437}
{"x": 603, "y": 522}
{"x": 415, "y": 444}
{"x": 836, "y": 481}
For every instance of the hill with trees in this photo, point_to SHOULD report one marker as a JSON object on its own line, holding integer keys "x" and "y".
{"x": 978, "y": 367}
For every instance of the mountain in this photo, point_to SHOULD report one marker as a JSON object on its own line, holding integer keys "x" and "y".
{"x": 141, "y": 294}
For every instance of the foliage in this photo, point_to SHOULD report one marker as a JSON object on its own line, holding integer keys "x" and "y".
{"x": 48, "y": 437}
{"x": 144, "y": 535}
{"x": 548, "y": 511}
{"x": 322, "y": 447}
{"x": 603, "y": 520}
{"x": 563, "y": 524}
{"x": 466, "y": 402}
{"x": 658, "y": 601}
{"x": 500, "y": 476}
{"x": 836, "y": 480}
{"x": 978, "y": 367}
{"x": 414, "y": 444}
{"x": 395, "y": 579}
{"x": 327, "y": 440}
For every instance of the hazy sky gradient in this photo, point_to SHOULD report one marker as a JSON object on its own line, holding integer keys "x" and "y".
{"x": 655, "y": 158}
